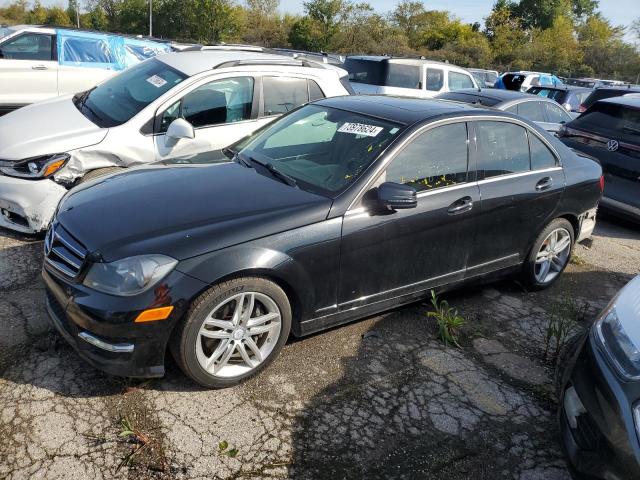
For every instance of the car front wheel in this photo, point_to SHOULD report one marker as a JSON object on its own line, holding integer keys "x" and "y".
{"x": 550, "y": 254}
{"x": 232, "y": 332}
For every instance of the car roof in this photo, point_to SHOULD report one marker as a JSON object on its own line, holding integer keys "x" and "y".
{"x": 192, "y": 62}
{"x": 406, "y": 110}
{"x": 405, "y": 61}
{"x": 563, "y": 88}
{"x": 633, "y": 102}
{"x": 620, "y": 88}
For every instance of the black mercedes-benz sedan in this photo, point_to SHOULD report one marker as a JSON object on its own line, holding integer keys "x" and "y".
{"x": 600, "y": 402}
{"x": 341, "y": 209}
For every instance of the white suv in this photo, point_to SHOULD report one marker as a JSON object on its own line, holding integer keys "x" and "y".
{"x": 37, "y": 63}
{"x": 177, "y": 104}
{"x": 410, "y": 77}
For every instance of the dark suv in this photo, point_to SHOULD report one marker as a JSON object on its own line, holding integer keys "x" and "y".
{"x": 602, "y": 93}
{"x": 569, "y": 97}
{"x": 610, "y": 131}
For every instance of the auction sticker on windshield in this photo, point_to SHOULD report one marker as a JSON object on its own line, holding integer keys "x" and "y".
{"x": 360, "y": 129}
{"x": 157, "y": 81}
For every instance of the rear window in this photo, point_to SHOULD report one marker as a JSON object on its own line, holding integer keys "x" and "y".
{"x": 602, "y": 93}
{"x": 404, "y": 76}
{"x": 619, "y": 120}
{"x": 513, "y": 81}
{"x": 370, "y": 72}
{"x": 557, "y": 95}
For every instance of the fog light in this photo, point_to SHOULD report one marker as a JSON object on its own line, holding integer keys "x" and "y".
{"x": 573, "y": 407}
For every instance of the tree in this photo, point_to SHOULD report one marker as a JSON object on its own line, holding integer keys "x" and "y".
{"x": 328, "y": 15}
{"x": 73, "y": 11}
{"x": 408, "y": 16}
{"x": 506, "y": 36}
{"x": 542, "y": 13}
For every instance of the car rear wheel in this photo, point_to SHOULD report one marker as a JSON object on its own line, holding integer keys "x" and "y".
{"x": 550, "y": 254}
{"x": 232, "y": 332}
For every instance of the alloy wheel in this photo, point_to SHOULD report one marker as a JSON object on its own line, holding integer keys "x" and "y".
{"x": 238, "y": 334}
{"x": 553, "y": 255}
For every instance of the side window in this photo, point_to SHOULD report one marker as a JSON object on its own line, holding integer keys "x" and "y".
{"x": 87, "y": 50}
{"x": 315, "y": 92}
{"x": 502, "y": 148}
{"x": 403, "y": 76}
{"x": 30, "y": 46}
{"x": 512, "y": 109}
{"x": 555, "y": 113}
{"x": 531, "y": 111}
{"x": 221, "y": 101}
{"x": 437, "y": 158}
{"x": 541, "y": 156}
{"x": 458, "y": 81}
{"x": 281, "y": 94}
{"x": 169, "y": 115}
{"x": 435, "y": 79}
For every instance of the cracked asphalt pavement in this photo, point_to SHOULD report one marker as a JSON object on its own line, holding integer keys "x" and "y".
{"x": 378, "y": 398}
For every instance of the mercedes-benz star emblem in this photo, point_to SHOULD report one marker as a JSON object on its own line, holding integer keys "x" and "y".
{"x": 612, "y": 145}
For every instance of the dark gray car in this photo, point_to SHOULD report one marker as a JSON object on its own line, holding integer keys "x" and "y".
{"x": 545, "y": 112}
{"x": 610, "y": 131}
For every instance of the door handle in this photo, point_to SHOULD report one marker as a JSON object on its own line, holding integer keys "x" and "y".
{"x": 544, "y": 184}
{"x": 460, "y": 206}
{"x": 39, "y": 67}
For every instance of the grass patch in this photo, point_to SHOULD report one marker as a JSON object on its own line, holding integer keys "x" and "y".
{"x": 577, "y": 260}
{"x": 565, "y": 316}
{"x": 448, "y": 320}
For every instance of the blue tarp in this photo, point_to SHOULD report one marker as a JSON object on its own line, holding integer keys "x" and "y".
{"x": 99, "y": 50}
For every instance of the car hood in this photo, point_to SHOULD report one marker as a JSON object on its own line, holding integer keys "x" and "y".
{"x": 184, "y": 211}
{"x": 52, "y": 126}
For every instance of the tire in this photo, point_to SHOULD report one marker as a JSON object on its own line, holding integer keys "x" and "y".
{"x": 99, "y": 172}
{"x": 226, "y": 353}
{"x": 533, "y": 273}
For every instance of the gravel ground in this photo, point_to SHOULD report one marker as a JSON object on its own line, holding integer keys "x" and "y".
{"x": 379, "y": 398}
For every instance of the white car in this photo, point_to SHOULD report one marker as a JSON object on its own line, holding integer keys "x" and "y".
{"x": 177, "y": 104}
{"x": 37, "y": 63}
{"x": 409, "y": 77}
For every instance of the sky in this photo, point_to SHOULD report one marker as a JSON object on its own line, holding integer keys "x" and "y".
{"x": 620, "y": 12}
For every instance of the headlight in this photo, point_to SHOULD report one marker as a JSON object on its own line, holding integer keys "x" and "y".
{"x": 37, "y": 167}
{"x": 623, "y": 351}
{"x": 129, "y": 276}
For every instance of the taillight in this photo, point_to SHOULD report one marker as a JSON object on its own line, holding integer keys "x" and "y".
{"x": 601, "y": 183}
{"x": 582, "y": 108}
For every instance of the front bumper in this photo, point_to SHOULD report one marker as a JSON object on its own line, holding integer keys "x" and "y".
{"x": 101, "y": 327}
{"x": 28, "y": 206}
{"x": 602, "y": 442}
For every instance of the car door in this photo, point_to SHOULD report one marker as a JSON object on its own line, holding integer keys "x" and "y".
{"x": 520, "y": 182}
{"x": 385, "y": 255}
{"x": 459, "y": 81}
{"x": 220, "y": 111}
{"x": 28, "y": 69}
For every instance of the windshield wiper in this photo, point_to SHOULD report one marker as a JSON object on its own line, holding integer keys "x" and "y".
{"x": 236, "y": 157}
{"x": 276, "y": 173}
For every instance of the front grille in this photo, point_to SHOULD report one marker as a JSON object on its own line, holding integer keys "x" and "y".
{"x": 63, "y": 252}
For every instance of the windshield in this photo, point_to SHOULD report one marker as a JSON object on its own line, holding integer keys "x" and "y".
{"x": 323, "y": 149}
{"x": 4, "y": 31}
{"x": 117, "y": 100}
{"x": 620, "y": 121}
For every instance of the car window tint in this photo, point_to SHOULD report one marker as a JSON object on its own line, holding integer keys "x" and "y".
{"x": 221, "y": 101}
{"x": 458, "y": 81}
{"x": 29, "y": 46}
{"x": 541, "y": 156}
{"x": 435, "y": 79}
{"x": 403, "y": 76}
{"x": 315, "y": 92}
{"x": 282, "y": 94}
{"x": 370, "y": 72}
{"x": 502, "y": 148}
{"x": 435, "y": 159}
{"x": 556, "y": 114}
{"x": 531, "y": 111}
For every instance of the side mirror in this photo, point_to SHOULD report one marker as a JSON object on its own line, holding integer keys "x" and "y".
{"x": 395, "y": 196}
{"x": 180, "y": 128}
